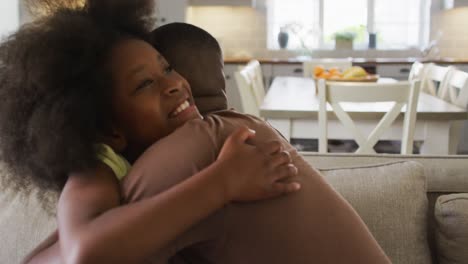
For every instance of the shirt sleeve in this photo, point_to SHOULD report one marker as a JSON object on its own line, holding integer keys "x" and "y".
{"x": 118, "y": 164}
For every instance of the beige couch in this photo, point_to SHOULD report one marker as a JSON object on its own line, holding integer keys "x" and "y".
{"x": 416, "y": 206}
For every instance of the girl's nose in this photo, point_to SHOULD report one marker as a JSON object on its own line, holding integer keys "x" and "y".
{"x": 173, "y": 90}
{"x": 173, "y": 87}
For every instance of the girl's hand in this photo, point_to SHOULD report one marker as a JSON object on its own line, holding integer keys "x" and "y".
{"x": 255, "y": 172}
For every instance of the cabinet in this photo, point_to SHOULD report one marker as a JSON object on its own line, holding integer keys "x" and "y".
{"x": 396, "y": 71}
{"x": 448, "y": 4}
{"x": 401, "y": 71}
{"x": 462, "y": 67}
{"x": 287, "y": 70}
{"x": 170, "y": 11}
{"x": 222, "y": 2}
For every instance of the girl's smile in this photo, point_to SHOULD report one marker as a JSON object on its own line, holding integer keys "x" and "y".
{"x": 150, "y": 100}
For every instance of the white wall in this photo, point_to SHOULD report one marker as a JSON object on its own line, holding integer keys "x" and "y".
{"x": 238, "y": 29}
{"x": 9, "y": 17}
{"x": 452, "y": 26}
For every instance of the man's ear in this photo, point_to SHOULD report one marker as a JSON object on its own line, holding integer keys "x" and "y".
{"x": 116, "y": 140}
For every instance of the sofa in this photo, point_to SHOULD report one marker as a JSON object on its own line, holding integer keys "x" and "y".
{"x": 415, "y": 206}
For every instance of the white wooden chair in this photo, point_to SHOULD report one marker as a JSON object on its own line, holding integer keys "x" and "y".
{"x": 417, "y": 71}
{"x": 251, "y": 88}
{"x": 434, "y": 77}
{"x": 401, "y": 93}
{"x": 455, "y": 91}
{"x": 308, "y": 66}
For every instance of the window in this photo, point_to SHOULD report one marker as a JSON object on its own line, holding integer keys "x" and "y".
{"x": 9, "y": 17}
{"x": 300, "y": 17}
{"x": 399, "y": 27}
{"x": 311, "y": 24}
{"x": 339, "y": 15}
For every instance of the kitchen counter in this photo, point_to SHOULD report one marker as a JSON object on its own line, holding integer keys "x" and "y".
{"x": 355, "y": 61}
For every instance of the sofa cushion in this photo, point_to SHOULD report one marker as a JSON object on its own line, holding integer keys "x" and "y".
{"x": 451, "y": 214}
{"x": 391, "y": 199}
{"x": 375, "y": 192}
{"x": 446, "y": 174}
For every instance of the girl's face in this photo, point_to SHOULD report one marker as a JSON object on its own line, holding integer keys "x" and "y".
{"x": 150, "y": 100}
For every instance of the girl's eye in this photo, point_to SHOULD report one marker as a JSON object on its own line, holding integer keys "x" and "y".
{"x": 168, "y": 69}
{"x": 145, "y": 83}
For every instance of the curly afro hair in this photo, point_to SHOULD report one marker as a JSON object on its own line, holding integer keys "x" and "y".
{"x": 55, "y": 87}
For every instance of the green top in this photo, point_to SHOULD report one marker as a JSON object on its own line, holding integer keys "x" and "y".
{"x": 116, "y": 162}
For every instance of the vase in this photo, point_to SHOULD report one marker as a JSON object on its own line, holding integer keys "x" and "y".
{"x": 372, "y": 40}
{"x": 283, "y": 38}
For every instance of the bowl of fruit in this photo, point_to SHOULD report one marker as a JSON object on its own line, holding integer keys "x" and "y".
{"x": 352, "y": 74}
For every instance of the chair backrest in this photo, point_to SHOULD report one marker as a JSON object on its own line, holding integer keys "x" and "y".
{"x": 308, "y": 66}
{"x": 434, "y": 77}
{"x": 401, "y": 93}
{"x": 251, "y": 88}
{"x": 455, "y": 89}
{"x": 417, "y": 71}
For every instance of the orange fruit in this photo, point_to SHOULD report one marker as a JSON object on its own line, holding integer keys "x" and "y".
{"x": 334, "y": 70}
{"x": 324, "y": 75}
{"x": 336, "y": 76}
{"x": 318, "y": 70}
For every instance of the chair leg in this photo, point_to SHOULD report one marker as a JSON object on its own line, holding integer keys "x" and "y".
{"x": 454, "y": 139}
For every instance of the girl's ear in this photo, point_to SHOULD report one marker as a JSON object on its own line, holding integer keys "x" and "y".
{"x": 116, "y": 140}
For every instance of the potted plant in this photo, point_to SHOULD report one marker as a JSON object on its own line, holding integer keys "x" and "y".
{"x": 344, "y": 40}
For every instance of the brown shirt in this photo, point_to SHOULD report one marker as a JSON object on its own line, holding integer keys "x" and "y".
{"x": 271, "y": 231}
{"x": 314, "y": 225}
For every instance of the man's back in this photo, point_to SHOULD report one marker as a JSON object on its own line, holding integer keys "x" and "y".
{"x": 305, "y": 227}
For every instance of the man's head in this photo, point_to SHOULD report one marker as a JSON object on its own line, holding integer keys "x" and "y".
{"x": 197, "y": 56}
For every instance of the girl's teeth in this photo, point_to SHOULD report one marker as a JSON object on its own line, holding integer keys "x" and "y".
{"x": 182, "y": 107}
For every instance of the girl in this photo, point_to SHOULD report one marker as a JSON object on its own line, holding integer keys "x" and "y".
{"x": 83, "y": 93}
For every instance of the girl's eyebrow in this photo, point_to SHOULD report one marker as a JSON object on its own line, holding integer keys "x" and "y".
{"x": 159, "y": 57}
{"x": 136, "y": 70}
{"x": 162, "y": 61}
{"x": 141, "y": 67}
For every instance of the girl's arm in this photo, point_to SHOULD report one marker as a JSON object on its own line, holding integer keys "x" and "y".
{"x": 94, "y": 227}
{"x": 46, "y": 252}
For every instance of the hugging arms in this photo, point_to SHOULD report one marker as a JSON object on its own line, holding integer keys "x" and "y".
{"x": 123, "y": 93}
{"x": 312, "y": 225}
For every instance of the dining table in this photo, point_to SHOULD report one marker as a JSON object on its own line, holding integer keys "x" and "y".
{"x": 291, "y": 106}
